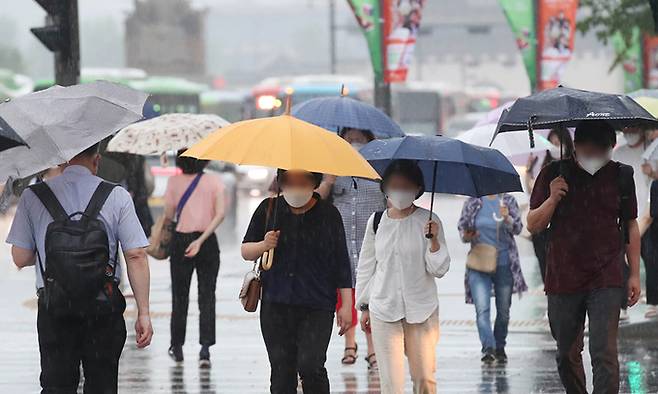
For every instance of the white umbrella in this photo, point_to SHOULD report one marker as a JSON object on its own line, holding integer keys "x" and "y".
{"x": 509, "y": 144}
{"x": 60, "y": 122}
{"x": 165, "y": 133}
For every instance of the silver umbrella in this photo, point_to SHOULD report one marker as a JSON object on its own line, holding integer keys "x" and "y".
{"x": 60, "y": 122}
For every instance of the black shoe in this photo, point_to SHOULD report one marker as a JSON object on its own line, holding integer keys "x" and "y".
{"x": 488, "y": 356}
{"x": 176, "y": 353}
{"x": 501, "y": 357}
{"x": 204, "y": 357}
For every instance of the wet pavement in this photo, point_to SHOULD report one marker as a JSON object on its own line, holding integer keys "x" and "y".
{"x": 240, "y": 362}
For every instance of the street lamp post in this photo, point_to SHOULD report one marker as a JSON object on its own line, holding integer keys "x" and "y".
{"x": 332, "y": 36}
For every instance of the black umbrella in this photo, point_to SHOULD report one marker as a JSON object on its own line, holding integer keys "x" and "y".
{"x": 567, "y": 107}
{"x": 8, "y": 137}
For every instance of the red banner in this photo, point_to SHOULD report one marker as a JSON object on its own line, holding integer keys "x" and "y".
{"x": 650, "y": 52}
{"x": 556, "y": 31}
{"x": 401, "y": 25}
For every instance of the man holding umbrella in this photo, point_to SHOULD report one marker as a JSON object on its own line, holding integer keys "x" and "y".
{"x": 592, "y": 226}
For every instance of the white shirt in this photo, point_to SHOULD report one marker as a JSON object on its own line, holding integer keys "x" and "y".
{"x": 633, "y": 157}
{"x": 396, "y": 271}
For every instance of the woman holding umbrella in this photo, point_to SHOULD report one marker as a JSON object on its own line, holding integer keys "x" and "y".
{"x": 299, "y": 291}
{"x": 356, "y": 199}
{"x": 396, "y": 287}
{"x": 494, "y": 221}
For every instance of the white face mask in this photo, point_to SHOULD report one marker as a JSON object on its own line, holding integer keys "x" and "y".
{"x": 297, "y": 197}
{"x": 593, "y": 164}
{"x": 632, "y": 138}
{"x": 401, "y": 199}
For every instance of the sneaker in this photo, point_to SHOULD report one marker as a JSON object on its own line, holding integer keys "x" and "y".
{"x": 176, "y": 353}
{"x": 204, "y": 357}
{"x": 623, "y": 316}
{"x": 489, "y": 356}
{"x": 501, "y": 357}
{"x": 652, "y": 312}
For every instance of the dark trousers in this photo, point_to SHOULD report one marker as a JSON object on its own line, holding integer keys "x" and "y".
{"x": 566, "y": 314}
{"x": 650, "y": 258}
{"x": 206, "y": 263}
{"x": 95, "y": 341}
{"x": 540, "y": 244}
{"x": 296, "y": 339}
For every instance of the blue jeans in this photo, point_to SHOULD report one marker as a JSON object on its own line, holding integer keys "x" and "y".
{"x": 481, "y": 285}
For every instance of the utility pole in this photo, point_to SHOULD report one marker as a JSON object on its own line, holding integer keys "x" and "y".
{"x": 332, "y": 36}
{"x": 61, "y": 36}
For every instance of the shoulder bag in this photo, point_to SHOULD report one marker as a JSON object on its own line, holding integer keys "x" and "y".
{"x": 163, "y": 230}
{"x": 483, "y": 257}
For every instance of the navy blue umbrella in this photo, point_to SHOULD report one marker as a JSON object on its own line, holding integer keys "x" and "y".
{"x": 334, "y": 113}
{"x": 449, "y": 166}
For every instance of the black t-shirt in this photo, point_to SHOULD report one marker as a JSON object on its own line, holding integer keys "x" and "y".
{"x": 311, "y": 261}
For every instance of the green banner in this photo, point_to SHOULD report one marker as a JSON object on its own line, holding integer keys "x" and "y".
{"x": 630, "y": 57}
{"x": 521, "y": 18}
{"x": 368, "y": 15}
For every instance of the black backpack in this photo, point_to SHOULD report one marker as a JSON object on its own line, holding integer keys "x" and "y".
{"x": 77, "y": 250}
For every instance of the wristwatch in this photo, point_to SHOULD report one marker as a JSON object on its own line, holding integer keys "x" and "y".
{"x": 363, "y": 307}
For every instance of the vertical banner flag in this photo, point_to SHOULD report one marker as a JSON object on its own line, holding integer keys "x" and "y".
{"x": 650, "y": 50}
{"x": 556, "y": 30}
{"x": 520, "y": 15}
{"x": 401, "y": 25}
{"x": 368, "y": 15}
{"x": 630, "y": 56}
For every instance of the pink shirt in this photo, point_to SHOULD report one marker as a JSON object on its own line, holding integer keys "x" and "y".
{"x": 200, "y": 207}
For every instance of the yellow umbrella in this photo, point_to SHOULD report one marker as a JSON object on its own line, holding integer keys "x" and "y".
{"x": 650, "y": 104}
{"x": 283, "y": 142}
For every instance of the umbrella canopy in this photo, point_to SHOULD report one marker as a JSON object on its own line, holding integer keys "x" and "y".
{"x": 334, "y": 113}
{"x": 493, "y": 116}
{"x": 567, "y": 107}
{"x": 283, "y": 142}
{"x": 652, "y": 93}
{"x": 8, "y": 137}
{"x": 58, "y": 123}
{"x": 165, "y": 133}
{"x": 449, "y": 166}
{"x": 649, "y": 103}
{"x": 509, "y": 144}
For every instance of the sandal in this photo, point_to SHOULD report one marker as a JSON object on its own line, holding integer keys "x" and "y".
{"x": 372, "y": 361}
{"x": 349, "y": 359}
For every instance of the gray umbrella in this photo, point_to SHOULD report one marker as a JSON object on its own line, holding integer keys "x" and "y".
{"x": 58, "y": 123}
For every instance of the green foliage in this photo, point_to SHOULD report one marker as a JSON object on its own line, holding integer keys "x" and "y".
{"x": 616, "y": 18}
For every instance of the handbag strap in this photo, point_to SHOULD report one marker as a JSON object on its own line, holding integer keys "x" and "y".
{"x": 186, "y": 196}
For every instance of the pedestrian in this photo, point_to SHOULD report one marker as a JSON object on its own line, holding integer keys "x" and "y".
{"x": 592, "y": 218}
{"x": 651, "y": 255}
{"x": 643, "y": 173}
{"x": 396, "y": 289}
{"x": 80, "y": 308}
{"x": 494, "y": 221}
{"x": 561, "y": 139}
{"x": 194, "y": 247}
{"x": 299, "y": 290}
{"x": 356, "y": 199}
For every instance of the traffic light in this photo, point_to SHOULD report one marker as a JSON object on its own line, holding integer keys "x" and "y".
{"x": 60, "y": 36}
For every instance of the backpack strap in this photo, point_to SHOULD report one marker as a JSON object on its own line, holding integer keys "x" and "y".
{"x": 377, "y": 220}
{"x": 45, "y": 194}
{"x": 98, "y": 199}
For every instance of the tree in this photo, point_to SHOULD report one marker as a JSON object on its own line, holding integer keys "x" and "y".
{"x": 616, "y": 18}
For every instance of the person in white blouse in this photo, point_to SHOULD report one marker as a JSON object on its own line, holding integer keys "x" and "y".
{"x": 395, "y": 285}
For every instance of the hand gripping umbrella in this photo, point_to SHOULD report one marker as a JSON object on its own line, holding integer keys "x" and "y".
{"x": 450, "y": 166}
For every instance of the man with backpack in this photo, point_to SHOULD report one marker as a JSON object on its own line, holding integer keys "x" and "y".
{"x": 70, "y": 229}
{"x": 590, "y": 205}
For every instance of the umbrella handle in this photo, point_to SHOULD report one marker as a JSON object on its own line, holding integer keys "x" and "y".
{"x": 429, "y": 233}
{"x": 268, "y": 259}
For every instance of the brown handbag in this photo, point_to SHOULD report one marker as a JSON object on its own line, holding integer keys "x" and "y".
{"x": 251, "y": 289}
{"x": 160, "y": 240}
{"x": 483, "y": 257}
